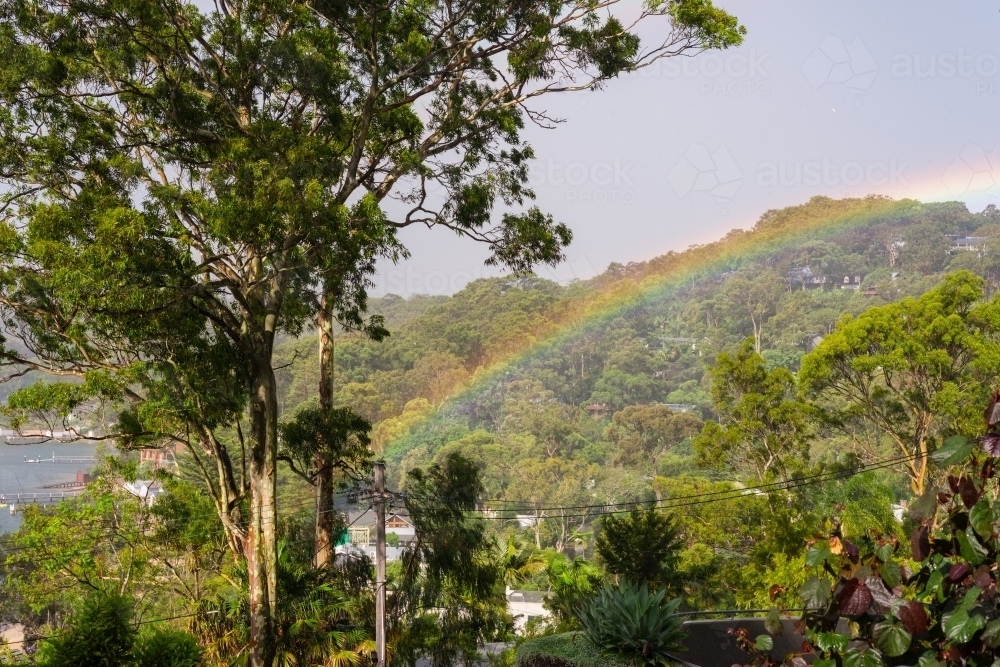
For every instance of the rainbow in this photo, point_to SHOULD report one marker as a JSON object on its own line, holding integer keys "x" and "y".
{"x": 658, "y": 278}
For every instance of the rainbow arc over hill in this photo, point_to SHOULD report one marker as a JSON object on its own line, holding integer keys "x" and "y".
{"x": 661, "y": 277}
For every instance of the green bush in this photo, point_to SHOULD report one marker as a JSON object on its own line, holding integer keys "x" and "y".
{"x": 99, "y": 633}
{"x": 166, "y": 648}
{"x": 631, "y": 622}
{"x": 570, "y": 649}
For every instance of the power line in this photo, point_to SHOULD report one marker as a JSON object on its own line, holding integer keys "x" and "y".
{"x": 702, "y": 498}
{"x": 747, "y": 490}
{"x": 606, "y": 509}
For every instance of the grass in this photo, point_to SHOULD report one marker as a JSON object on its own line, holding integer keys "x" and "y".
{"x": 570, "y": 649}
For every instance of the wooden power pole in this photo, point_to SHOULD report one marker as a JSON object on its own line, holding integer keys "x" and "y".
{"x": 380, "y": 562}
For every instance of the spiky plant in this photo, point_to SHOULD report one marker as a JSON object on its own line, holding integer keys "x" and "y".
{"x": 627, "y": 620}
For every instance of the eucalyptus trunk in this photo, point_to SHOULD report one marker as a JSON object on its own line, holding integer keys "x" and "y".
{"x": 261, "y": 548}
{"x": 323, "y": 466}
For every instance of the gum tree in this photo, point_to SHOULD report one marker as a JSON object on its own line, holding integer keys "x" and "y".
{"x": 180, "y": 186}
{"x": 913, "y": 370}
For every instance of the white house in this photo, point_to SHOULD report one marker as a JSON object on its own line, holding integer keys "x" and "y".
{"x": 525, "y": 606}
{"x": 147, "y": 490}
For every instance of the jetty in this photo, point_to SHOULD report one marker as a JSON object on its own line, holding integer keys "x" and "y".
{"x": 15, "y": 501}
{"x": 62, "y": 459}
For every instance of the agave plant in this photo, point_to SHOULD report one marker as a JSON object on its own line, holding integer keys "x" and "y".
{"x": 628, "y": 621}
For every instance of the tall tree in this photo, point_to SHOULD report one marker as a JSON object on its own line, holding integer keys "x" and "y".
{"x": 644, "y": 433}
{"x": 178, "y": 182}
{"x": 909, "y": 369}
{"x": 754, "y": 297}
{"x": 641, "y": 547}
{"x": 762, "y": 427}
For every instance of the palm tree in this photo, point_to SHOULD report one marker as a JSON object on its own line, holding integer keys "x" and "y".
{"x": 517, "y": 563}
{"x": 314, "y": 621}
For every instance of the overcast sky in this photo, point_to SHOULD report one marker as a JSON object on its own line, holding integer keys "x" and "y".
{"x": 834, "y": 98}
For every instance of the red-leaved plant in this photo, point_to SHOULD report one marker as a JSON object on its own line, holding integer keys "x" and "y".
{"x": 947, "y": 611}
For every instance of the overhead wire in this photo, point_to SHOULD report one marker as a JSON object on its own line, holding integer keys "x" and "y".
{"x": 605, "y": 509}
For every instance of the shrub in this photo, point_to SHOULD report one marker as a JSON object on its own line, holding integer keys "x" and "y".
{"x": 944, "y": 613}
{"x": 641, "y": 546}
{"x": 631, "y": 622}
{"x": 99, "y": 634}
{"x": 569, "y": 649}
{"x": 166, "y": 648}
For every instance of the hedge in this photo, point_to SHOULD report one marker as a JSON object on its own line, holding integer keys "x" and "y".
{"x": 570, "y": 649}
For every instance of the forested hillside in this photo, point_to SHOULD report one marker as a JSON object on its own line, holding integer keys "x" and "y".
{"x": 643, "y": 346}
{"x": 594, "y": 392}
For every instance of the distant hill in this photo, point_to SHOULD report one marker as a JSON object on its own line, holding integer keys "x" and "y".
{"x": 639, "y": 333}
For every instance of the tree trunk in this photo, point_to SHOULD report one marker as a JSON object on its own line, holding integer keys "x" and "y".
{"x": 262, "y": 550}
{"x": 323, "y": 464}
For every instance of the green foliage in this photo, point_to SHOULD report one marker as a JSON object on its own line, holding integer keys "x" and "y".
{"x": 642, "y": 547}
{"x": 912, "y": 369}
{"x": 317, "y": 616}
{"x": 451, "y": 566}
{"x": 763, "y": 429}
{"x": 944, "y": 610}
{"x": 710, "y": 23}
{"x": 100, "y": 633}
{"x": 572, "y": 649}
{"x": 630, "y": 622}
{"x": 643, "y": 434}
{"x": 339, "y": 435}
{"x": 166, "y": 648}
{"x": 572, "y": 583}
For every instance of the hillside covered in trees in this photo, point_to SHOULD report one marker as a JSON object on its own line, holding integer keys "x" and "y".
{"x": 596, "y": 392}
{"x": 464, "y": 366}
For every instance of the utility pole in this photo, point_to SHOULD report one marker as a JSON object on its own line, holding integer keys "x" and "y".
{"x": 380, "y": 562}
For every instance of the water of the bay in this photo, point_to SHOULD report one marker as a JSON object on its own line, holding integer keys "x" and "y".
{"x": 17, "y": 476}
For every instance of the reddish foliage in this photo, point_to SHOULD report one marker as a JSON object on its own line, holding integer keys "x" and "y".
{"x": 920, "y": 543}
{"x": 914, "y": 618}
{"x": 958, "y": 571}
{"x": 854, "y": 598}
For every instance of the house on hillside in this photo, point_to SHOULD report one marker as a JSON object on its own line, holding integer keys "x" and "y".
{"x": 597, "y": 410}
{"x": 853, "y": 283}
{"x": 804, "y": 276}
{"x": 969, "y": 244}
{"x": 146, "y": 490}
{"x": 165, "y": 457}
{"x": 361, "y": 527}
{"x": 679, "y": 407}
